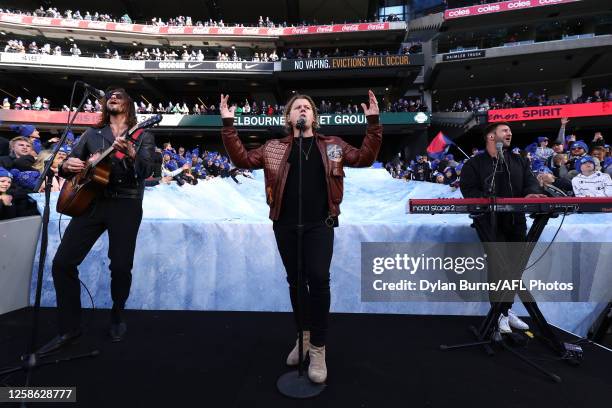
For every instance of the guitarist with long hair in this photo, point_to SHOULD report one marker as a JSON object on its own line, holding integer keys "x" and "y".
{"x": 117, "y": 209}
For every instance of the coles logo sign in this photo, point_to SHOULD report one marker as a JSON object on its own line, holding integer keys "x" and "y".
{"x": 501, "y": 6}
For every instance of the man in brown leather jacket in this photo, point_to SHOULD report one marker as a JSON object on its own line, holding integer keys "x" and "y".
{"x": 323, "y": 159}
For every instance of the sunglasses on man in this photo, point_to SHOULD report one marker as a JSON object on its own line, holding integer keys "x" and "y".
{"x": 117, "y": 95}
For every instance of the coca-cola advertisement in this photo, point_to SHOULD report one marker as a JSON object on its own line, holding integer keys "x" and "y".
{"x": 171, "y": 30}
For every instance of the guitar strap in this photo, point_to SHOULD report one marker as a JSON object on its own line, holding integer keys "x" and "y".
{"x": 135, "y": 136}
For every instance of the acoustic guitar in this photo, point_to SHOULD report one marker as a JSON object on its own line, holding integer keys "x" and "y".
{"x": 81, "y": 190}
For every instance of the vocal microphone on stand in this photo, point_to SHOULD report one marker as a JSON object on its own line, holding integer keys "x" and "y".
{"x": 301, "y": 123}
{"x": 500, "y": 151}
{"x": 93, "y": 90}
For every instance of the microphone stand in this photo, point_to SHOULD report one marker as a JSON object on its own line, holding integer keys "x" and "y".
{"x": 31, "y": 359}
{"x": 493, "y": 196}
{"x": 295, "y": 384}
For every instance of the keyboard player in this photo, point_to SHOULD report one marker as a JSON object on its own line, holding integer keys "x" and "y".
{"x": 513, "y": 178}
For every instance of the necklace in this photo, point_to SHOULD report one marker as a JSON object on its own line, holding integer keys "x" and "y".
{"x": 309, "y": 148}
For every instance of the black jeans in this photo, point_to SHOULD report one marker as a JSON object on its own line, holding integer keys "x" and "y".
{"x": 502, "y": 260}
{"x": 121, "y": 217}
{"x": 317, "y": 251}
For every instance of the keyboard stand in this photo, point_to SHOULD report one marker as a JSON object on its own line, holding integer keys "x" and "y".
{"x": 488, "y": 334}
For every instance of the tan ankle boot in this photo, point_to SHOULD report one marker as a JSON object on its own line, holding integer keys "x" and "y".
{"x": 317, "y": 370}
{"x": 293, "y": 357}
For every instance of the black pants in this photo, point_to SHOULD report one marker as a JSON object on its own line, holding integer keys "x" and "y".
{"x": 502, "y": 260}
{"x": 318, "y": 247}
{"x": 121, "y": 218}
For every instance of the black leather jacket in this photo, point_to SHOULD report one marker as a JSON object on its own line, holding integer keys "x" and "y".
{"x": 127, "y": 175}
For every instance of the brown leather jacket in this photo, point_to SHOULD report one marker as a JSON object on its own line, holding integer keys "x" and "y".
{"x": 273, "y": 155}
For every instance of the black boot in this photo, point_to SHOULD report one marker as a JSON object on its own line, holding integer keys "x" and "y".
{"x": 118, "y": 327}
{"x": 60, "y": 341}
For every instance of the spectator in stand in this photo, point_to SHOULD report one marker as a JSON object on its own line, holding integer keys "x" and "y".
{"x": 37, "y": 104}
{"x": 450, "y": 177}
{"x": 557, "y": 148}
{"x": 599, "y": 153}
{"x": 21, "y": 155}
{"x": 559, "y": 167}
{"x": 552, "y": 185}
{"x": 578, "y": 150}
{"x": 422, "y": 169}
{"x": 543, "y": 152}
{"x": 170, "y": 169}
{"x": 75, "y": 51}
{"x": 7, "y": 210}
{"x": 39, "y": 166}
{"x": 590, "y": 182}
{"x": 33, "y": 48}
{"x": 598, "y": 139}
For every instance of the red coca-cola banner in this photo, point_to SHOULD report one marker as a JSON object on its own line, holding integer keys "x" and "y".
{"x": 498, "y": 7}
{"x": 193, "y": 30}
{"x": 551, "y": 112}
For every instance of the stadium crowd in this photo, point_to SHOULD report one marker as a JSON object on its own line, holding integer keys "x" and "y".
{"x": 248, "y": 107}
{"x": 22, "y": 159}
{"x": 178, "y": 21}
{"x": 563, "y": 165}
{"x": 518, "y": 100}
{"x": 200, "y": 54}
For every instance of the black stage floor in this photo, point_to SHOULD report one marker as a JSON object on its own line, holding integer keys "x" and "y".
{"x": 233, "y": 359}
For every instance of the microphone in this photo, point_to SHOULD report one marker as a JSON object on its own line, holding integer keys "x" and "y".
{"x": 93, "y": 90}
{"x": 500, "y": 151}
{"x": 301, "y": 123}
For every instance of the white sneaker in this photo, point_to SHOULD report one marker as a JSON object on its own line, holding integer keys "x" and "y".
{"x": 516, "y": 322}
{"x": 502, "y": 324}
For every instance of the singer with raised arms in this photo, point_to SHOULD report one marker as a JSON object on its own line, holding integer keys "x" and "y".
{"x": 323, "y": 159}
{"x": 497, "y": 172}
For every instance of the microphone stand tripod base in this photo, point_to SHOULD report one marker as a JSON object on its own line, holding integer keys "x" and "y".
{"x": 297, "y": 386}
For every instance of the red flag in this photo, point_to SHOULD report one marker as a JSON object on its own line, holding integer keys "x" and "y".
{"x": 439, "y": 146}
